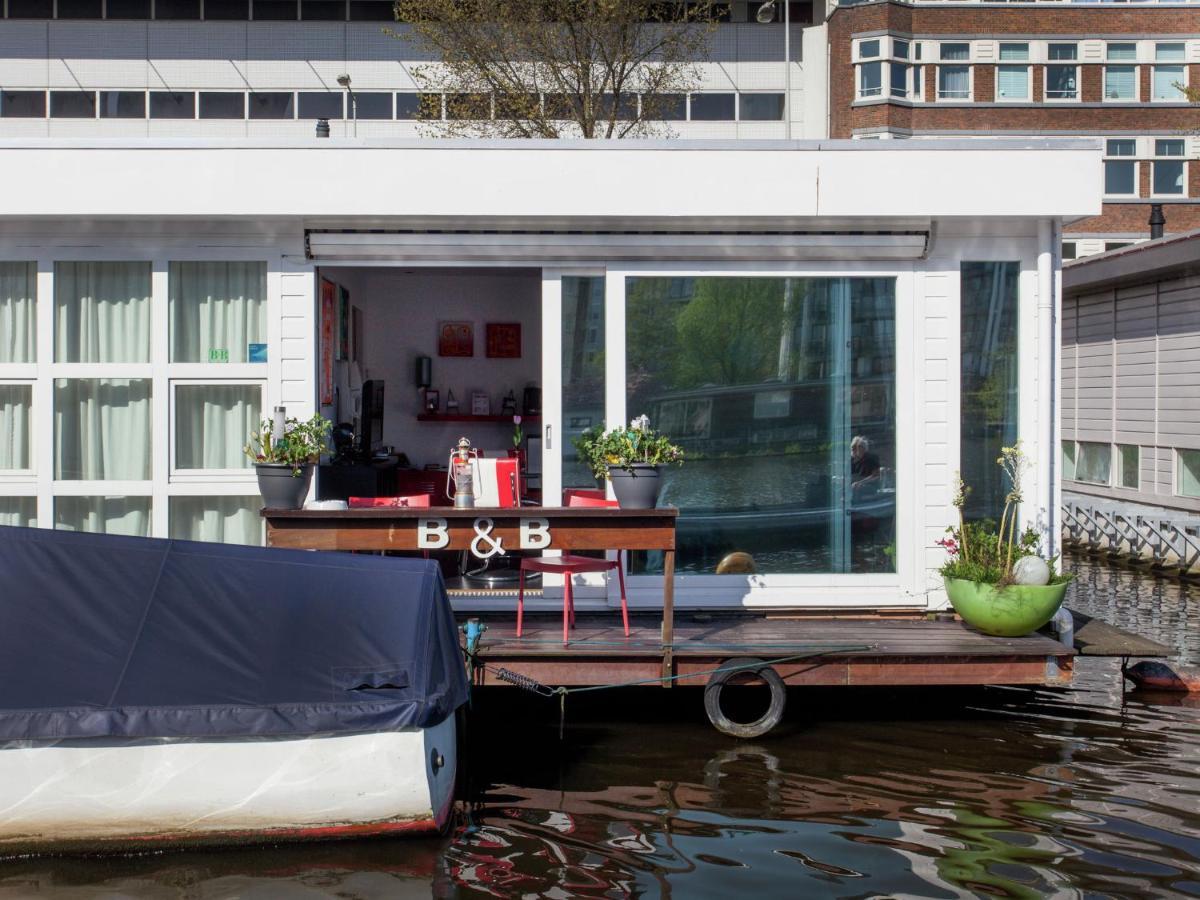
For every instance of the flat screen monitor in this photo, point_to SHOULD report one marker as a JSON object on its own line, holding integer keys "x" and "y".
{"x": 370, "y": 428}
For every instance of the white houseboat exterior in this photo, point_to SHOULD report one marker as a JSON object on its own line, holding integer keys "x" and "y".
{"x": 768, "y": 305}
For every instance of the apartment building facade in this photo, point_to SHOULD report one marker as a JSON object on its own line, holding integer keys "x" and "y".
{"x": 1115, "y": 72}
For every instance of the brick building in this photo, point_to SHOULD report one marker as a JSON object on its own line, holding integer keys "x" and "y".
{"x": 927, "y": 70}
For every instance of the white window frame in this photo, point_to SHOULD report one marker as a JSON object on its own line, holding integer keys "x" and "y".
{"x": 1134, "y": 159}
{"x": 765, "y": 591}
{"x": 1178, "y": 472}
{"x": 1182, "y": 81}
{"x": 231, "y": 475}
{"x": 1046, "y": 98}
{"x": 162, "y": 484}
{"x": 878, "y": 92}
{"x": 859, "y": 56}
{"x": 22, "y": 476}
{"x": 1182, "y": 159}
{"x": 970, "y": 83}
{"x": 1028, "y": 83}
{"x": 1137, "y": 83}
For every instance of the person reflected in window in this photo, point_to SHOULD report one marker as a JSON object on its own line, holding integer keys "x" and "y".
{"x": 864, "y": 469}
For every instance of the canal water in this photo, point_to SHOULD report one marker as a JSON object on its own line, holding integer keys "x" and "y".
{"x": 1084, "y": 792}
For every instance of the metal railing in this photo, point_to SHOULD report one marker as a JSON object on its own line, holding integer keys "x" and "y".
{"x": 1164, "y": 540}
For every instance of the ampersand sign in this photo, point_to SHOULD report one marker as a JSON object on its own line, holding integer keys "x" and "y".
{"x": 483, "y": 534}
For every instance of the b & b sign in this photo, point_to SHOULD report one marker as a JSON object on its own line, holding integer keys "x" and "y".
{"x": 433, "y": 533}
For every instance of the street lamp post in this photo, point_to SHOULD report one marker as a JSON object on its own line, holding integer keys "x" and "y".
{"x": 766, "y": 15}
{"x": 344, "y": 81}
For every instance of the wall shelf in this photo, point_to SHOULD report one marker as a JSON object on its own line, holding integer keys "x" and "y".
{"x": 467, "y": 417}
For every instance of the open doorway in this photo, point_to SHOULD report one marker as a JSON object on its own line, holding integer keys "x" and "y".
{"x": 412, "y": 359}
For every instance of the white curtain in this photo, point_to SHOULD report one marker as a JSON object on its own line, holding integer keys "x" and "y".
{"x": 213, "y": 423}
{"x": 108, "y": 515}
{"x": 219, "y": 306}
{"x": 20, "y": 511}
{"x": 102, "y": 312}
{"x": 226, "y": 520}
{"x": 18, "y": 290}
{"x": 15, "y": 403}
{"x": 102, "y": 429}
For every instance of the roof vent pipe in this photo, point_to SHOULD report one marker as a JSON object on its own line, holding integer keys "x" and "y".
{"x": 322, "y": 128}
{"x": 1157, "y": 221}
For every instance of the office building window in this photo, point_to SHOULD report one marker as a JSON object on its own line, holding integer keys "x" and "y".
{"x": 31, "y": 9}
{"x": 170, "y": 105}
{"x": 275, "y": 10}
{"x": 665, "y": 107}
{"x": 1168, "y": 169}
{"x": 222, "y": 105}
{"x": 1070, "y": 250}
{"x": 1012, "y": 83}
{"x": 273, "y": 105}
{"x": 226, "y": 10}
{"x": 177, "y": 9}
{"x": 321, "y": 105}
{"x": 955, "y": 52}
{"x": 713, "y": 107}
{"x": 1120, "y": 82}
{"x": 370, "y": 106}
{"x": 760, "y": 107}
{"x": 868, "y": 49}
{"x": 1120, "y": 170}
{"x": 80, "y": 9}
{"x": 72, "y": 105}
{"x": 122, "y": 104}
{"x": 372, "y": 11}
{"x": 323, "y": 10}
{"x": 23, "y": 104}
{"x": 1014, "y": 53}
{"x": 127, "y": 9}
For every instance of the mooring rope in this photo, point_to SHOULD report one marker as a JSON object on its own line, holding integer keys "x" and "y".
{"x": 544, "y": 690}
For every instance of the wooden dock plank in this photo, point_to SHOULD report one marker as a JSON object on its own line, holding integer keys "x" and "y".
{"x": 1096, "y": 638}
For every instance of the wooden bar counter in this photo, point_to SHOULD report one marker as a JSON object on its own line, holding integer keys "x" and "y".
{"x": 484, "y": 532}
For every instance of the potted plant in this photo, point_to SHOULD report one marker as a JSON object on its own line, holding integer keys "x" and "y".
{"x": 631, "y": 458}
{"x": 994, "y": 577}
{"x": 284, "y": 465}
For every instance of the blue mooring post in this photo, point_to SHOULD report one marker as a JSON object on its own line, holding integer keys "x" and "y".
{"x": 474, "y": 630}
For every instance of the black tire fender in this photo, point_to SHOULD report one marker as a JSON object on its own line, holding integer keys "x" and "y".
{"x": 731, "y": 669}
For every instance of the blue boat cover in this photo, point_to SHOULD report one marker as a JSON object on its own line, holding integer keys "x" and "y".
{"x": 106, "y": 636}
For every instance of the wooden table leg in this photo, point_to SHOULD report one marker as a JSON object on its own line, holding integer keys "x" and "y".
{"x": 668, "y": 622}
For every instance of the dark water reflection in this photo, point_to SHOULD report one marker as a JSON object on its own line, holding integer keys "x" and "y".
{"x": 1086, "y": 792}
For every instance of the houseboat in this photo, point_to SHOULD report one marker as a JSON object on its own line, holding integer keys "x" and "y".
{"x": 769, "y": 304}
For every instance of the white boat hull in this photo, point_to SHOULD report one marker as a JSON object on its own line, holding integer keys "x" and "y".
{"x": 88, "y": 796}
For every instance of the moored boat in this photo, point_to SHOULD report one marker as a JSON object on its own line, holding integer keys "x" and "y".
{"x": 159, "y": 693}
{"x": 1153, "y": 675}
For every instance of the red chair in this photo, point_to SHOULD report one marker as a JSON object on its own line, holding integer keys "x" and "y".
{"x": 412, "y": 500}
{"x": 569, "y": 566}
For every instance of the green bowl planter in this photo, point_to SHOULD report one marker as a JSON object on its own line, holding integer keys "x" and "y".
{"x": 1012, "y": 611}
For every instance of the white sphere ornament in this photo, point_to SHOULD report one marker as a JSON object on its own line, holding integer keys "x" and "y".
{"x": 1031, "y": 570}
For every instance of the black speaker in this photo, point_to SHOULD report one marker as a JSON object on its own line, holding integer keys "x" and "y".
{"x": 424, "y": 373}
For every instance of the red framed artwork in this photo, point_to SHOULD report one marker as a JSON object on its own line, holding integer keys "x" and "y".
{"x": 456, "y": 339}
{"x": 504, "y": 340}
{"x": 328, "y": 314}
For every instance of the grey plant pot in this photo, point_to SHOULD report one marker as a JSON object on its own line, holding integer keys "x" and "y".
{"x": 281, "y": 489}
{"x": 637, "y": 489}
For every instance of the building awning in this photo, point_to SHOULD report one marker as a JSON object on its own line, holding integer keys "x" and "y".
{"x": 597, "y": 247}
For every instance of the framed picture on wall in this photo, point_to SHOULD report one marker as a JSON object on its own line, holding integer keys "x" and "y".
{"x": 503, "y": 340}
{"x": 481, "y": 404}
{"x": 343, "y": 351}
{"x": 328, "y": 337}
{"x": 456, "y": 339}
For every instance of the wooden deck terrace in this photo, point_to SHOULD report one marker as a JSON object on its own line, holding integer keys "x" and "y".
{"x": 807, "y": 650}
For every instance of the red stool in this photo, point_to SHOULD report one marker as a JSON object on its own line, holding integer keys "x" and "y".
{"x": 569, "y": 566}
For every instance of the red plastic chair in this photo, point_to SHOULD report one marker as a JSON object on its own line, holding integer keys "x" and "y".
{"x": 412, "y": 500}
{"x": 569, "y": 566}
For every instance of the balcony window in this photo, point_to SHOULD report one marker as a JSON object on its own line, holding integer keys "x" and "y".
{"x": 1062, "y": 82}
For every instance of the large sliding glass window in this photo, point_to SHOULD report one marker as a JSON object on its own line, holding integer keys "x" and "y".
{"x": 225, "y": 520}
{"x": 989, "y": 305}
{"x": 102, "y": 429}
{"x": 218, "y": 310}
{"x": 782, "y": 393}
{"x": 582, "y": 371}
{"x": 212, "y": 423}
{"x": 109, "y": 515}
{"x": 18, "y": 511}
